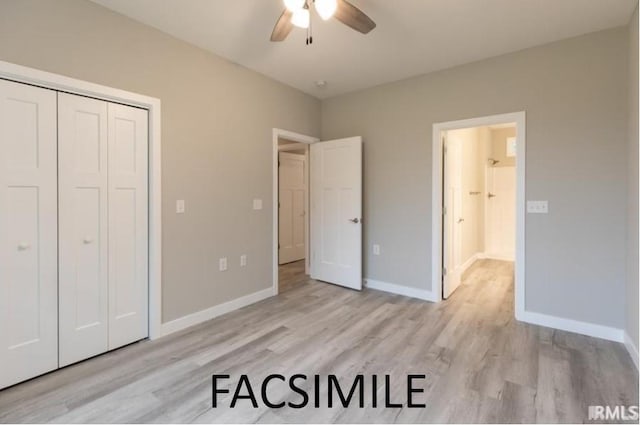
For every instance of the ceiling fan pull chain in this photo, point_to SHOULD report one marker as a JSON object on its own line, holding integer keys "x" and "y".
{"x": 311, "y": 26}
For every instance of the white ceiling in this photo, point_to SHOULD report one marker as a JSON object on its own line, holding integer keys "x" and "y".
{"x": 413, "y": 37}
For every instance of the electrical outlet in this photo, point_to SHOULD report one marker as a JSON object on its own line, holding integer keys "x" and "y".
{"x": 223, "y": 264}
{"x": 180, "y": 206}
{"x": 376, "y": 249}
{"x": 538, "y": 207}
{"x": 243, "y": 260}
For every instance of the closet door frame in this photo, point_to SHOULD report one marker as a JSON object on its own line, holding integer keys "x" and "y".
{"x": 22, "y": 74}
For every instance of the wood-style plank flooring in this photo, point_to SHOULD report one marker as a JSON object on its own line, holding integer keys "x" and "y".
{"x": 291, "y": 276}
{"x": 481, "y": 365}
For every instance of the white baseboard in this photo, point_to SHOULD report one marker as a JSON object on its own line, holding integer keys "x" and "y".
{"x": 213, "y": 312}
{"x": 569, "y": 325}
{"x": 499, "y": 257}
{"x": 631, "y": 348}
{"x": 421, "y": 294}
{"x": 470, "y": 261}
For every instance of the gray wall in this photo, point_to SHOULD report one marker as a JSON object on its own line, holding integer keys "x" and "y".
{"x": 575, "y": 96}
{"x": 632, "y": 247}
{"x": 217, "y": 152}
{"x": 216, "y": 136}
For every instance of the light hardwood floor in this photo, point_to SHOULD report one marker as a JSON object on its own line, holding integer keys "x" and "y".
{"x": 481, "y": 365}
{"x": 291, "y": 276}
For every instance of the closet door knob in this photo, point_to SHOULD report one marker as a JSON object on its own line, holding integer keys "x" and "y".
{"x": 23, "y": 246}
{"x": 87, "y": 241}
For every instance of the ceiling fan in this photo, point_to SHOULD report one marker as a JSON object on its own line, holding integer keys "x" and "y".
{"x": 298, "y": 13}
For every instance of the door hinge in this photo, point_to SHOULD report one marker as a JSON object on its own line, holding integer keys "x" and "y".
{"x": 444, "y": 210}
{"x": 444, "y": 271}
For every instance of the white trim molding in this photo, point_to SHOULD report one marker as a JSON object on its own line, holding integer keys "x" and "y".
{"x": 575, "y": 326}
{"x": 497, "y": 257}
{"x": 392, "y": 288}
{"x": 475, "y": 257}
{"x": 300, "y": 138}
{"x": 519, "y": 118}
{"x": 213, "y": 312}
{"x": 631, "y": 348}
{"x": 23, "y": 74}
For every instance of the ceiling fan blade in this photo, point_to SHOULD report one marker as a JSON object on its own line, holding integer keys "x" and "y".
{"x": 353, "y": 17}
{"x": 283, "y": 27}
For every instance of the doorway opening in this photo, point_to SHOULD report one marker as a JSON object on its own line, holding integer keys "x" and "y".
{"x": 478, "y": 202}
{"x": 291, "y": 236}
{"x": 328, "y": 204}
{"x": 293, "y": 228}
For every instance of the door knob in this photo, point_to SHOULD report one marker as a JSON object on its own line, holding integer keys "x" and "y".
{"x": 354, "y": 220}
{"x": 460, "y": 220}
{"x": 87, "y": 241}
{"x": 23, "y": 246}
{"x": 490, "y": 195}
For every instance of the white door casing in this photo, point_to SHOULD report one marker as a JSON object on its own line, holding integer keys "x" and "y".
{"x": 453, "y": 216}
{"x": 519, "y": 118}
{"x": 128, "y": 224}
{"x": 336, "y": 211}
{"x": 292, "y": 188}
{"x": 28, "y": 232}
{"x": 83, "y": 233}
{"x": 501, "y": 213}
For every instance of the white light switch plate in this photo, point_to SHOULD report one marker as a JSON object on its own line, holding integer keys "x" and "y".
{"x": 180, "y": 206}
{"x": 223, "y": 264}
{"x": 376, "y": 249}
{"x": 257, "y": 204}
{"x": 243, "y": 260}
{"x": 537, "y": 207}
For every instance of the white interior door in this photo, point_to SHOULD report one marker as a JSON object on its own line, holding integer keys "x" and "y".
{"x": 128, "y": 228}
{"x": 83, "y": 229}
{"x": 292, "y": 188}
{"x": 336, "y": 211}
{"x": 501, "y": 213}
{"x": 28, "y": 233}
{"x": 453, "y": 217}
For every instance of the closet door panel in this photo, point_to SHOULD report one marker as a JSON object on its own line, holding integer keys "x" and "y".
{"x": 83, "y": 244}
{"x": 128, "y": 226}
{"x": 28, "y": 233}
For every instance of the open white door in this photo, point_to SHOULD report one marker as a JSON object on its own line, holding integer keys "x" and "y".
{"x": 452, "y": 219}
{"x": 336, "y": 212}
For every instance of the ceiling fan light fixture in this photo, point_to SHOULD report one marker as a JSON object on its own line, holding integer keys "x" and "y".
{"x": 294, "y": 5}
{"x": 301, "y": 18}
{"x": 326, "y": 8}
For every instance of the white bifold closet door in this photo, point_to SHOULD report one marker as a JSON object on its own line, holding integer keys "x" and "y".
{"x": 102, "y": 226}
{"x": 128, "y": 225}
{"x": 28, "y": 233}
